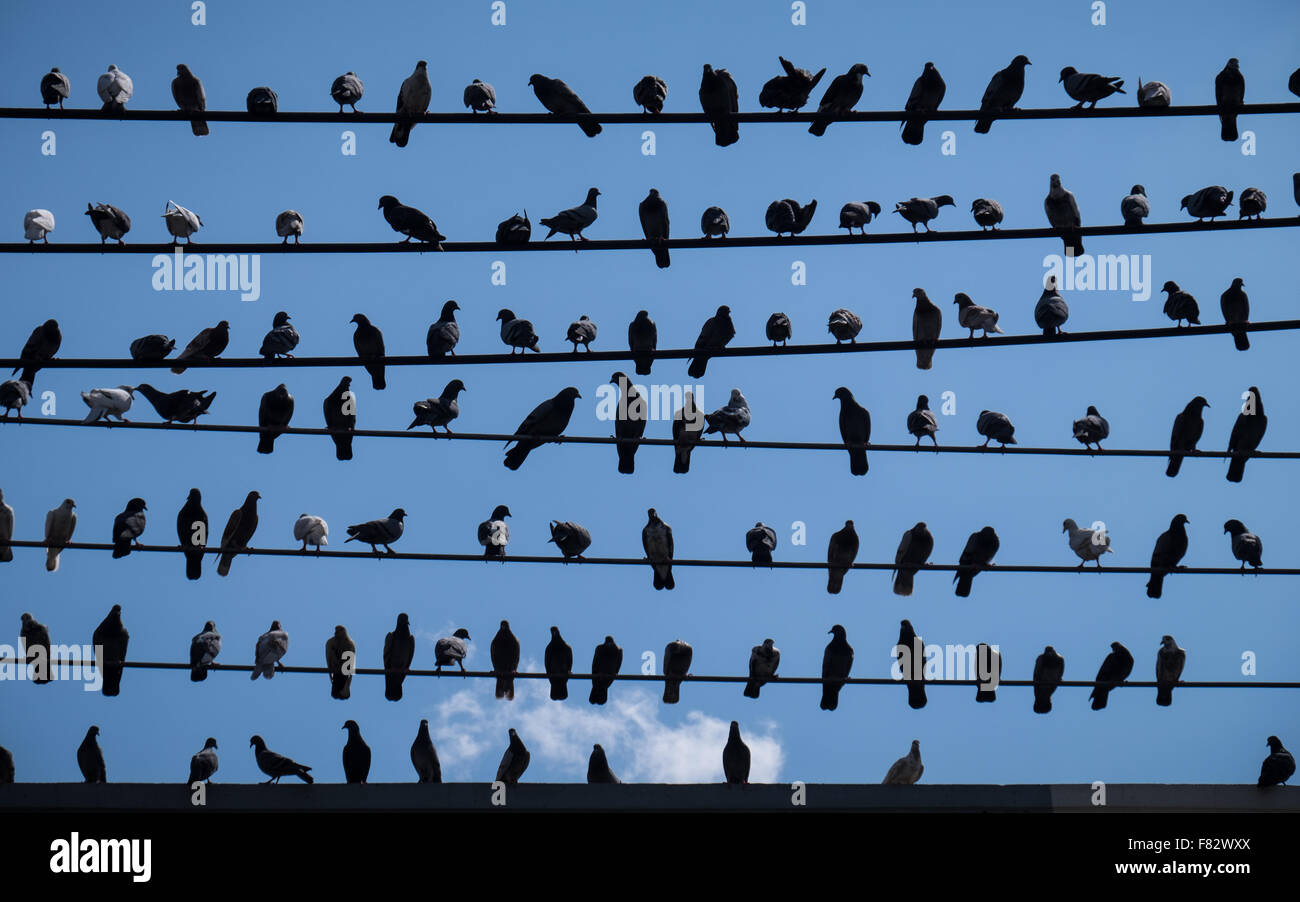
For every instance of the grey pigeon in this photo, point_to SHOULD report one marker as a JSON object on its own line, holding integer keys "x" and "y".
{"x": 629, "y": 422}
{"x": 642, "y": 341}
{"x": 239, "y": 530}
{"x": 108, "y": 403}
{"x": 562, "y": 100}
{"x": 1135, "y": 207}
{"x": 451, "y": 650}
{"x": 41, "y": 345}
{"x": 515, "y": 760}
{"x": 598, "y": 770}
{"x": 399, "y": 652}
{"x": 1252, "y": 203}
{"x": 841, "y": 551}
{"x": 1153, "y": 94}
{"x": 1209, "y": 202}
{"x": 855, "y": 429}
{"x": 1279, "y": 766}
{"x": 35, "y": 637}
{"x": 856, "y": 215}
{"x": 789, "y": 91}
{"x": 515, "y": 230}
{"x": 1115, "y": 669}
{"x": 845, "y": 325}
{"x": 572, "y": 221}
{"x": 275, "y": 765}
{"x": 128, "y": 527}
{"x": 340, "y": 661}
{"x": 115, "y": 89}
{"x": 927, "y": 321}
{"x": 657, "y": 541}
{"x": 1091, "y": 428}
{"x": 412, "y": 103}
{"x": 995, "y": 427}
{"x": 356, "y": 755}
{"x": 911, "y": 648}
{"x": 282, "y": 338}
{"x": 653, "y": 212}
{"x": 188, "y": 93}
{"x": 988, "y": 664}
{"x": 1180, "y": 305}
{"x": 1088, "y": 87}
{"x": 444, "y": 334}
{"x": 988, "y": 213}
{"x": 494, "y": 533}
{"x": 763, "y": 662}
{"x": 843, "y": 92}
{"x": 424, "y": 757}
{"x": 837, "y": 661}
{"x": 789, "y": 215}
{"x": 504, "y": 652}
{"x": 920, "y": 210}
{"x": 204, "y": 648}
{"x": 1089, "y": 544}
{"x": 480, "y": 97}
{"x": 439, "y": 411}
{"x": 109, "y": 221}
{"x": 192, "y": 533}
{"x": 180, "y": 406}
{"x": 408, "y": 221}
{"x": 972, "y": 316}
{"x": 572, "y": 539}
{"x": 778, "y": 329}
{"x": 649, "y": 93}
{"x": 207, "y": 345}
{"x": 906, "y": 770}
{"x": 55, "y": 88}
{"x": 731, "y": 418}
{"x": 688, "y": 427}
{"x": 582, "y": 332}
{"x": 346, "y": 90}
{"x": 1229, "y": 94}
{"x": 1049, "y": 669}
{"x": 1246, "y": 546}
{"x": 605, "y": 663}
{"x": 558, "y": 659}
{"x": 152, "y": 347}
{"x": 90, "y": 758}
{"x": 311, "y": 530}
{"x": 735, "y": 757}
{"x": 677, "y": 664}
{"x": 547, "y": 421}
{"x": 1063, "y": 215}
{"x": 720, "y": 100}
{"x": 716, "y": 332}
{"x": 369, "y": 343}
{"x": 979, "y": 552}
{"x": 383, "y": 531}
{"x": 913, "y": 551}
{"x": 37, "y": 225}
{"x": 273, "y": 416}
{"x": 340, "y": 411}
{"x": 927, "y": 94}
{"x": 715, "y": 223}
{"x": 270, "y": 648}
{"x": 1170, "y": 548}
{"x": 1051, "y": 312}
{"x": 1003, "y": 92}
{"x": 110, "y": 640}
{"x": 6, "y": 528}
{"x": 760, "y": 542}
{"x": 1169, "y": 669}
{"x": 922, "y": 422}
{"x": 204, "y": 763}
{"x": 262, "y": 101}
{"x": 1247, "y": 433}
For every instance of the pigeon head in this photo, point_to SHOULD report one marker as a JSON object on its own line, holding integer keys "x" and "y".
{"x": 1021, "y": 60}
{"x": 463, "y": 633}
{"x": 1069, "y": 525}
{"x": 1115, "y": 646}
{"x": 929, "y": 67}
{"x": 1067, "y": 72}
{"x": 619, "y": 378}
{"x": 916, "y": 746}
{"x": 724, "y": 310}
{"x": 387, "y": 201}
{"x": 93, "y": 731}
{"x": 351, "y": 726}
{"x": 505, "y": 314}
{"x": 280, "y": 319}
{"x": 962, "y": 300}
{"x": 1179, "y": 520}
{"x": 859, "y": 69}
{"x": 257, "y": 742}
{"x": 922, "y": 402}
{"x": 181, "y": 69}
{"x": 403, "y": 620}
{"x": 768, "y": 643}
{"x": 341, "y": 631}
{"x": 1198, "y": 401}
{"x": 1274, "y": 743}
{"x": 570, "y": 393}
{"x": 454, "y": 387}
{"x": 422, "y": 65}
{"x": 555, "y": 631}
{"x": 708, "y": 70}
{"x": 1048, "y": 650}
{"x": 592, "y": 194}
{"x": 1238, "y": 282}
{"x": 360, "y": 319}
{"x": 1170, "y": 286}
{"x": 735, "y": 730}
{"x": 919, "y": 293}
{"x": 1138, "y": 189}
{"x": 275, "y": 624}
{"x": 535, "y": 79}
{"x": 254, "y": 496}
{"x": 209, "y": 626}
{"x": 135, "y": 505}
{"x": 837, "y": 631}
{"x": 194, "y": 493}
{"x": 500, "y": 512}
{"x": 449, "y": 308}
{"x": 1232, "y": 64}
{"x": 208, "y": 743}
{"x": 398, "y": 514}
{"x": 654, "y": 192}
{"x": 653, "y": 515}
{"x": 1236, "y": 527}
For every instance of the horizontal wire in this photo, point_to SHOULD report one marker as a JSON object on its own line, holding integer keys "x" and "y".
{"x": 643, "y": 562}
{"x": 69, "y": 363}
{"x": 623, "y": 244}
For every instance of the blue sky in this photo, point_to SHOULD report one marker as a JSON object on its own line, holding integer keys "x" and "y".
{"x": 468, "y": 179}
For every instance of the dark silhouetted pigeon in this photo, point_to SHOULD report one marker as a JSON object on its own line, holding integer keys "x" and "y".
{"x": 987, "y": 213}
{"x": 341, "y": 662}
{"x": 572, "y": 539}
{"x": 855, "y": 429}
{"x": 995, "y": 427}
{"x": 841, "y": 552}
{"x": 927, "y": 94}
{"x": 732, "y": 418}
{"x": 192, "y": 533}
{"x": 856, "y": 215}
{"x": 439, "y": 411}
{"x": 560, "y": 99}
{"x": 152, "y": 347}
{"x": 1252, "y": 204}
{"x": 128, "y": 527}
{"x": 109, "y": 221}
{"x": 789, "y": 91}
{"x": 920, "y": 210}
{"x": 41, "y": 345}
{"x": 369, "y": 342}
{"x": 927, "y": 323}
{"x": 1246, "y": 546}
{"x": 735, "y": 757}
{"x": 688, "y": 426}
{"x": 1114, "y": 670}
{"x": 913, "y": 551}
{"x": 1063, "y": 215}
{"x": 906, "y": 770}
{"x": 1169, "y": 670}
{"x": 760, "y": 542}
{"x": 35, "y": 638}
{"x": 837, "y": 661}
{"x": 238, "y": 532}
{"x": 1153, "y": 94}
{"x": 1091, "y": 428}
{"x": 598, "y": 770}
{"x": 515, "y": 760}
{"x": 90, "y": 758}
{"x": 412, "y": 103}
{"x": 275, "y": 765}
{"x": 910, "y": 650}
{"x": 558, "y": 660}
{"x": 653, "y": 212}
{"x": 356, "y": 755}
{"x": 843, "y": 92}
{"x": 649, "y": 93}
{"x": 204, "y": 648}
{"x": 188, "y": 93}
{"x": 978, "y": 554}
{"x": 642, "y": 341}
{"x": 378, "y": 532}
{"x": 548, "y": 420}
{"x": 288, "y": 223}
{"x": 778, "y": 329}
{"x": 408, "y": 221}
{"x": 1134, "y": 207}
{"x": 1247, "y": 433}
{"x": 273, "y": 416}
{"x": 480, "y": 97}
{"x": 763, "y": 662}
{"x": 515, "y": 230}
{"x": 716, "y": 332}
{"x": 1180, "y": 305}
{"x": 629, "y": 422}
{"x": 844, "y": 325}
{"x": 424, "y": 757}
{"x": 204, "y": 763}
{"x": 715, "y": 223}
{"x": 572, "y": 221}
{"x": 110, "y": 640}
{"x": 270, "y": 648}
{"x": 1279, "y": 766}
{"x": 988, "y": 664}
{"x": 1049, "y": 669}
{"x": 340, "y": 411}
{"x": 282, "y": 338}
{"x": 720, "y": 101}
{"x": 504, "y": 652}
{"x": 180, "y": 406}
{"x": 444, "y": 334}
{"x": 399, "y": 651}
{"x": 657, "y": 540}
{"x": 207, "y": 345}
{"x": 922, "y": 422}
{"x": 605, "y": 663}
{"x": 1229, "y": 94}
{"x": 1003, "y": 92}
{"x": 1088, "y": 87}
{"x": 1051, "y": 312}
{"x": 347, "y": 89}
{"x": 677, "y": 664}
{"x": 262, "y": 101}
{"x": 1207, "y": 203}
{"x": 582, "y": 332}
{"x": 789, "y": 215}
{"x": 55, "y": 88}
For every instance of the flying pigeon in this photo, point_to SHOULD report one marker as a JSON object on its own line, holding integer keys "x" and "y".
{"x": 642, "y": 340}
{"x": 715, "y": 223}
{"x": 1114, "y": 670}
{"x": 1049, "y": 668}
{"x": 239, "y": 530}
{"x": 598, "y": 770}
{"x": 192, "y": 533}
{"x": 340, "y": 661}
{"x": 789, "y": 91}
{"x": 55, "y": 88}
{"x": 558, "y": 659}
{"x": 204, "y": 648}
{"x": 716, "y": 332}
{"x": 731, "y": 418}
{"x": 444, "y": 334}
{"x": 424, "y": 757}
{"x": 547, "y": 421}
{"x": 128, "y": 527}
{"x": 37, "y": 224}
{"x": 399, "y": 651}
{"x": 657, "y": 540}
{"x": 927, "y": 321}
{"x": 356, "y": 755}
{"x": 1135, "y": 207}
{"x": 720, "y": 100}
{"x": 439, "y": 411}
{"x": 841, "y": 551}
{"x": 408, "y": 221}
{"x": 504, "y": 652}
{"x": 271, "y": 647}
{"x": 653, "y": 212}
{"x": 987, "y": 213}
{"x": 275, "y": 765}
{"x": 605, "y": 663}
{"x": 152, "y": 347}
{"x": 1247, "y": 433}
{"x": 844, "y": 91}
{"x": 1088, "y": 544}
{"x": 346, "y": 90}
{"x": 844, "y": 325}
{"x": 90, "y": 758}
{"x": 282, "y": 338}
{"x": 778, "y": 329}
{"x": 855, "y": 429}
{"x": 1063, "y": 215}
{"x": 988, "y": 663}
{"x": 1169, "y": 550}
{"x": 789, "y": 216}
{"x": 369, "y": 343}
{"x": 978, "y": 554}
{"x": 763, "y": 662}
{"x": 180, "y": 406}
{"x": 922, "y": 422}
{"x": 59, "y": 526}
{"x": 412, "y": 103}
{"x": 14, "y": 394}
{"x": 837, "y": 661}
{"x": 6, "y": 529}
{"x": 1229, "y": 93}
{"x": 572, "y": 221}
{"x": 273, "y": 416}
{"x": 207, "y": 345}
{"x": 906, "y": 770}
{"x": 494, "y": 534}
{"x": 760, "y": 542}
{"x": 109, "y": 221}
{"x": 1169, "y": 669}
{"x": 188, "y": 93}
{"x": 515, "y": 760}
{"x": 913, "y": 551}
{"x": 972, "y": 316}
{"x": 911, "y": 648}
{"x": 1003, "y": 92}
{"x": 995, "y": 427}
{"x": 560, "y": 99}
{"x": 340, "y": 412}
{"x": 262, "y": 101}
{"x": 374, "y": 533}
{"x": 1279, "y": 766}
{"x": 927, "y": 94}
{"x": 629, "y": 422}
{"x": 1087, "y": 87}
{"x": 735, "y": 757}
{"x": 204, "y": 763}
{"x": 110, "y": 640}
{"x": 35, "y": 637}
{"x": 582, "y": 332}
{"x": 688, "y": 426}
{"x": 1180, "y": 305}
{"x": 1209, "y": 202}
{"x": 1091, "y": 428}
{"x": 920, "y": 210}
{"x": 1153, "y": 94}
{"x": 515, "y": 230}
{"x": 677, "y": 664}
{"x": 480, "y": 97}
{"x": 1051, "y": 312}
{"x": 1252, "y": 203}
{"x": 649, "y": 93}
{"x": 40, "y": 346}
{"x": 856, "y": 215}
{"x": 1246, "y": 546}
{"x": 451, "y": 650}
{"x": 108, "y": 403}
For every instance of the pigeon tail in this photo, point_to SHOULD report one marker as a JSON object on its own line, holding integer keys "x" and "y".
{"x": 835, "y": 582}
{"x": 751, "y": 688}
{"x": 559, "y": 689}
{"x": 1164, "y": 694}
{"x": 697, "y": 367}
{"x": 903, "y": 582}
{"x": 672, "y": 692}
{"x": 830, "y": 696}
{"x": 1175, "y": 464}
{"x": 401, "y": 133}
{"x": 1240, "y": 339}
{"x": 200, "y": 127}
{"x": 916, "y": 695}
{"x": 1042, "y": 704}
{"x": 1155, "y": 585}
{"x": 858, "y": 461}
{"x": 1236, "y": 470}
{"x": 914, "y": 130}
{"x": 964, "y": 583}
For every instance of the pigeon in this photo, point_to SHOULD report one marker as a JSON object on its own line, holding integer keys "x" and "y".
{"x": 1087, "y": 87}
{"x": 1229, "y": 94}
{"x": 572, "y": 221}
{"x": 369, "y": 342}
{"x": 1169, "y": 669}
{"x": 424, "y": 757}
{"x": 844, "y": 325}
{"x": 978, "y": 554}
{"x": 187, "y": 91}
{"x": 561, "y": 100}
{"x": 444, "y": 334}
{"x": 238, "y": 532}
{"x": 995, "y": 427}
{"x": 192, "y": 533}
{"x": 14, "y": 395}
{"x": 1088, "y": 544}
{"x": 843, "y": 92}
{"x": 494, "y": 534}
{"x": 920, "y": 210}
{"x": 987, "y": 213}
{"x": 1209, "y": 202}
{"x": 374, "y": 533}
{"x": 735, "y": 757}
{"x": 439, "y": 411}
{"x": 515, "y": 230}
{"x": 1279, "y": 766}
{"x": 778, "y": 329}
{"x": 1003, "y": 93}
{"x": 677, "y": 664}
{"x": 715, "y": 223}
{"x": 271, "y": 647}
{"x": 1246, "y": 546}
{"x": 204, "y": 764}
{"x": 275, "y": 765}
{"x": 90, "y": 758}
{"x": 837, "y": 661}
{"x": 657, "y": 540}
{"x": 207, "y": 345}
{"x": 340, "y": 410}
{"x": 152, "y": 347}
{"x": 340, "y": 661}
{"x": 262, "y": 101}
{"x": 1051, "y": 312}
{"x": 128, "y": 527}
{"x": 642, "y": 340}
{"x": 35, "y": 637}
{"x": 1135, "y": 207}
{"x": 204, "y": 648}
{"x": 1169, "y": 550}
{"x": 558, "y": 659}
{"x": 915, "y": 655}
{"x": 515, "y": 760}
{"x": 763, "y": 662}
{"x": 789, "y": 91}
{"x": 582, "y": 332}
{"x": 988, "y": 663}
{"x": 973, "y": 316}
{"x": 109, "y": 221}
{"x": 346, "y": 90}
{"x": 855, "y": 429}
{"x": 922, "y": 422}
{"x": 504, "y": 652}
{"x": 598, "y": 770}
{"x": 1114, "y": 670}
{"x": 451, "y": 650}
{"x": 547, "y": 421}
{"x": 37, "y": 224}
{"x": 1049, "y": 668}
{"x": 731, "y": 418}
{"x": 841, "y": 551}
{"x": 716, "y": 332}
{"x": 927, "y": 94}
{"x": 412, "y": 103}
{"x": 760, "y": 542}
{"x": 629, "y": 422}
{"x": 408, "y": 221}
{"x": 789, "y": 216}
{"x": 55, "y": 88}
{"x": 906, "y": 770}
{"x": 110, "y": 640}
{"x": 180, "y": 406}
{"x": 1153, "y": 94}
{"x": 856, "y": 215}
{"x": 1091, "y": 428}
{"x": 1247, "y": 433}
{"x": 273, "y": 416}
{"x": 649, "y": 93}
{"x": 41, "y": 345}
{"x": 399, "y": 651}
{"x": 1180, "y": 305}
{"x": 1252, "y": 203}
{"x": 289, "y": 223}
{"x": 913, "y": 551}
{"x": 281, "y": 340}
{"x": 108, "y": 403}
{"x": 653, "y": 212}
{"x": 1063, "y": 215}
{"x": 480, "y": 97}
{"x": 688, "y": 426}
{"x": 605, "y": 662}
{"x": 720, "y": 100}
{"x": 927, "y": 321}
{"x": 1293, "y": 83}
{"x": 6, "y": 529}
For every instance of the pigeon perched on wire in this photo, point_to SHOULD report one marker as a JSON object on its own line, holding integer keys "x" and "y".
{"x": 110, "y": 641}
{"x": 368, "y": 340}
{"x": 844, "y": 325}
{"x": 778, "y": 329}
{"x": 115, "y": 89}
{"x": 856, "y": 215}
{"x": 841, "y": 551}
{"x": 841, "y": 95}
{"x": 855, "y": 429}
{"x": 987, "y": 213}
{"x": 972, "y": 316}
{"x": 109, "y": 221}
{"x": 677, "y": 664}
{"x": 558, "y": 660}
{"x": 733, "y": 417}
{"x": 572, "y": 539}
{"x": 35, "y": 637}
{"x": 720, "y": 100}
{"x": 837, "y": 661}
{"x": 910, "y": 653}
{"x": 275, "y": 765}
{"x": 515, "y": 230}
{"x": 1089, "y": 544}
{"x": 207, "y": 345}
{"x": 1246, "y": 546}
{"x": 988, "y": 670}
{"x": 1170, "y": 660}
{"x": 1134, "y": 207}
{"x": 14, "y": 395}
{"x": 271, "y": 647}
{"x": 412, "y": 103}
{"x": 649, "y": 93}
{"x": 789, "y": 91}
{"x": 192, "y": 533}
{"x": 1063, "y": 215}
{"x": 913, "y": 552}
{"x": 763, "y": 662}
{"x": 414, "y": 224}
{"x": 572, "y": 221}
{"x": 1051, "y": 312}
{"x": 927, "y": 93}
{"x": 688, "y": 428}
{"x": 399, "y": 652}
{"x": 55, "y": 88}
{"x": 262, "y": 101}
{"x": 1003, "y": 92}
{"x": 340, "y": 411}
{"x": 494, "y": 534}
{"x": 1171, "y": 545}
{"x": 790, "y": 216}
{"x": 288, "y": 224}
{"x": 504, "y": 651}
{"x": 1153, "y": 94}
{"x": 920, "y": 210}
{"x": 60, "y": 523}
{"x": 1049, "y": 669}
{"x": 630, "y": 417}
{"x": 1180, "y": 305}
{"x": 188, "y": 93}
{"x": 927, "y": 322}
{"x": 922, "y": 422}
{"x": 152, "y": 347}
{"x": 444, "y": 334}
{"x": 657, "y": 541}
{"x": 560, "y": 99}
{"x": 128, "y": 526}
{"x": 37, "y": 225}
{"x": 653, "y": 212}
{"x": 715, "y": 223}
{"x": 282, "y": 338}
{"x": 340, "y": 661}
{"x": 906, "y": 770}
{"x": 273, "y": 416}
{"x": 760, "y": 542}
{"x": 180, "y": 406}
{"x": 547, "y": 422}
{"x": 439, "y": 411}
{"x": 581, "y": 332}
{"x": 480, "y": 97}
{"x": 979, "y": 552}
{"x": 716, "y": 332}
{"x": 1088, "y": 87}
{"x": 1229, "y": 94}
{"x": 1247, "y": 433}
{"x": 383, "y": 531}
{"x": 451, "y": 650}
{"x": 108, "y": 403}
{"x": 1207, "y": 203}
{"x": 311, "y": 530}
{"x": 642, "y": 341}
{"x": 735, "y": 757}
{"x": 346, "y": 90}
{"x": 1091, "y": 428}
{"x": 1252, "y": 204}
{"x": 605, "y": 664}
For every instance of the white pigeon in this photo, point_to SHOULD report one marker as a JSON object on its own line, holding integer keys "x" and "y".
{"x": 37, "y": 224}
{"x": 289, "y": 223}
{"x": 311, "y": 531}
{"x": 59, "y": 526}
{"x": 108, "y": 402}
{"x": 1088, "y": 544}
{"x": 271, "y": 646}
{"x": 181, "y": 223}
{"x": 115, "y": 89}
{"x": 906, "y": 770}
